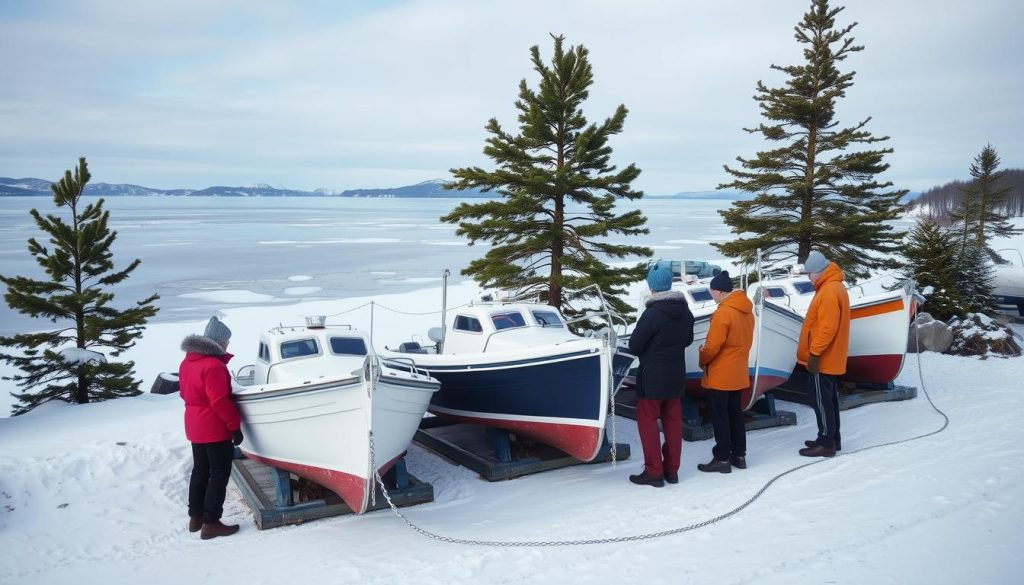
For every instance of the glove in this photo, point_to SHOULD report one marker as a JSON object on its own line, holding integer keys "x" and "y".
{"x": 236, "y": 437}
{"x": 813, "y": 365}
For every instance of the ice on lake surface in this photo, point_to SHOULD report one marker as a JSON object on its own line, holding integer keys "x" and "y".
{"x": 201, "y": 253}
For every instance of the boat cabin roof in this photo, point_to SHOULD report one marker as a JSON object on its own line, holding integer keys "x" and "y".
{"x": 491, "y": 325}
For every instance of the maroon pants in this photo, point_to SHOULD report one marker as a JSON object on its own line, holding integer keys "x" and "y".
{"x": 658, "y": 458}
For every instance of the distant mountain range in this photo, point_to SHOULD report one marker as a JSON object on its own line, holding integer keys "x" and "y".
{"x": 29, "y": 187}
{"x": 434, "y": 188}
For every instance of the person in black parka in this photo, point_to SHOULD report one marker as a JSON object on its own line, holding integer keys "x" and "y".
{"x": 660, "y": 339}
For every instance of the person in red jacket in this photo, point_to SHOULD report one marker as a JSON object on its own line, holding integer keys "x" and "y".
{"x": 822, "y": 350}
{"x": 724, "y": 358}
{"x": 212, "y": 425}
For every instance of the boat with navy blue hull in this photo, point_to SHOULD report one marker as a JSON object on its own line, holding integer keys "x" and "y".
{"x": 517, "y": 366}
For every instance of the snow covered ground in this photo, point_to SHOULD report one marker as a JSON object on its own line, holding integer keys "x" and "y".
{"x": 96, "y": 493}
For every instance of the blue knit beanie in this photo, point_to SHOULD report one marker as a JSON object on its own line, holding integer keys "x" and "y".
{"x": 659, "y": 278}
{"x": 217, "y": 331}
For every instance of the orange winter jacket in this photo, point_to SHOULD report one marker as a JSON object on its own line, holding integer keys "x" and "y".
{"x": 826, "y": 330}
{"x": 726, "y": 350}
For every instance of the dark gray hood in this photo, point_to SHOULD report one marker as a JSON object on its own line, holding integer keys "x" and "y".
{"x": 202, "y": 345}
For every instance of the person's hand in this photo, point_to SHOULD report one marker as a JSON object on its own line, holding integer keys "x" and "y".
{"x": 814, "y": 364}
{"x": 236, "y": 437}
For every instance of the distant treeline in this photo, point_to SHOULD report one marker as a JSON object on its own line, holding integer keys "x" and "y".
{"x": 939, "y": 201}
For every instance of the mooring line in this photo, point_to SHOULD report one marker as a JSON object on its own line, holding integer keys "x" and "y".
{"x": 682, "y": 529}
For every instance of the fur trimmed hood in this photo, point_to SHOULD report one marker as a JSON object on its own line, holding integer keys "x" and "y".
{"x": 202, "y": 345}
{"x": 668, "y": 295}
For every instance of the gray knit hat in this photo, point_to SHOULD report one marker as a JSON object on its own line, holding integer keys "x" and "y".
{"x": 816, "y": 262}
{"x": 217, "y": 331}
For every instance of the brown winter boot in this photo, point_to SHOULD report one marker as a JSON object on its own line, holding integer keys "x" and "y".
{"x": 195, "y": 523}
{"x": 215, "y": 529}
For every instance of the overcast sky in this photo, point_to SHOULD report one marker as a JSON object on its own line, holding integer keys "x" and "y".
{"x": 193, "y": 93}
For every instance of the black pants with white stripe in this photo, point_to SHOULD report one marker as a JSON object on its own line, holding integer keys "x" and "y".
{"x": 824, "y": 392}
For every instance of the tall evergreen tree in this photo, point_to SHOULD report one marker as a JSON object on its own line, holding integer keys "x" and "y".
{"x": 558, "y": 193}
{"x": 814, "y": 190}
{"x": 55, "y": 364}
{"x": 978, "y": 216}
{"x": 932, "y": 261}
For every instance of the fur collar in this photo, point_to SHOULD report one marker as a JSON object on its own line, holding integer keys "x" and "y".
{"x": 665, "y": 295}
{"x": 202, "y": 345}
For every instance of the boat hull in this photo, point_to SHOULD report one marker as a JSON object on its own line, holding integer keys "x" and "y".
{"x": 879, "y": 329}
{"x": 770, "y": 362}
{"x": 322, "y": 431}
{"x": 556, "y": 395}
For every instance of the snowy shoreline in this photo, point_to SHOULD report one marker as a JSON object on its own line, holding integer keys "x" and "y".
{"x": 96, "y": 492}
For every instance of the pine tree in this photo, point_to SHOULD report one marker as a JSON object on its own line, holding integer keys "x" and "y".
{"x": 77, "y": 297}
{"x": 814, "y": 190}
{"x": 558, "y": 193}
{"x": 974, "y": 275}
{"x": 932, "y": 261}
{"x": 978, "y": 216}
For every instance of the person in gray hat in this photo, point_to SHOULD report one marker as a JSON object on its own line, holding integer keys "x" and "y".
{"x": 822, "y": 350}
{"x": 212, "y": 425}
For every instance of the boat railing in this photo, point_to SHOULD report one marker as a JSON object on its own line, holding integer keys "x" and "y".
{"x": 283, "y": 328}
{"x": 1020, "y": 256}
{"x": 412, "y": 364}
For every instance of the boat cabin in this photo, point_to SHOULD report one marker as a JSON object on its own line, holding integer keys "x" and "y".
{"x": 289, "y": 353}
{"x": 486, "y": 327}
{"x": 795, "y": 292}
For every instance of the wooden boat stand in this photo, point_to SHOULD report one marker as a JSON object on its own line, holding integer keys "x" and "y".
{"x": 850, "y": 396}
{"x": 697, "y": 426}
{"x": 277, "y": 497}
{"x": 495, "y": 454}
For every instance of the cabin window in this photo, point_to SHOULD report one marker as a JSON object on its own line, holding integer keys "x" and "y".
{"x": 466, "y": 323}
{"x": 508, "y": 320}
{"x": 300, "y": 348}
{"x": 701, "y": 295}
{"x": 264, "y": 352}
{"x": 547, "y": 319}
{"x": 348, "y": 346}
{"x": 774, "y": 292}
{"x": 803, "y": 287}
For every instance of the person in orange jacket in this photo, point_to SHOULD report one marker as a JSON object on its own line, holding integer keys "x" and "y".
{"x": 724, "y": 358}
{"x": 822, "y": 350}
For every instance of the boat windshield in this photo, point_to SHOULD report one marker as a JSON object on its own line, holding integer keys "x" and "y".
{"x": 348, "y": 346}
{"x": 803, "y": 287}
{"x": 508, "y": 320}
{"x": 299, "y": 348}
{"x": 700, "y": 295}
{"x": 547, "y": 318}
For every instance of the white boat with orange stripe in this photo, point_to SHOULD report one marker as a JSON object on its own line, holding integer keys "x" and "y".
{"x": 879, "y": 324}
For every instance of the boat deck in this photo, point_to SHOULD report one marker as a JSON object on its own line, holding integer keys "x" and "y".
{"x": 277, "y": 498}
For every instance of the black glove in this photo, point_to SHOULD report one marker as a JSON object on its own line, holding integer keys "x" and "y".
{"x": 236, "y": 437}
{"x": 813, "y": 366}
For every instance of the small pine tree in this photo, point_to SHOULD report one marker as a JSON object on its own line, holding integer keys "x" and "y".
{"x": 548, "y": 232}
{"x": 974, "y": 276}
{"x": 932, "y": 261}
{"x": 978, "y": 215}
{"x": 76, "y": 295}
{"x": 814, "y": 190}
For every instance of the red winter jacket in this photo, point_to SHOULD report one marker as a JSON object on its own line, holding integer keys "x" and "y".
{"x": 205, "y": 383}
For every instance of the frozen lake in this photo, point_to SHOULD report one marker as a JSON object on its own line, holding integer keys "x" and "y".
{"x": 205, "y": 253}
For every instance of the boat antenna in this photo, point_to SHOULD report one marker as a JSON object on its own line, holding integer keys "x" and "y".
{"x": 760, "y": 321}
{"x": 444, "y": 307}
